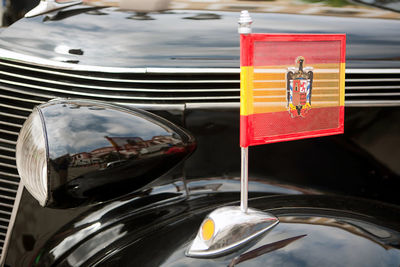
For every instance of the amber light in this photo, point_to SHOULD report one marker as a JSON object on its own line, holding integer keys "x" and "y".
{"x": 207, "y": 229}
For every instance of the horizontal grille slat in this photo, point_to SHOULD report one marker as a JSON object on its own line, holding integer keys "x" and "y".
{"x": 5, "y": 206}
{"x": 374, "y": 80}
{"x": 8, "y": 165}
{"x": 9, "y": 176}
{"x": 25, "y": 100}
{"x": 8, "y": 132}
{"x": 7, "y": 189}
{"x": 8, "y": 141}
{"x": 105, "y": 79}
{"x": 13, "y": 115}
{"x": 11, "y": 124}
{"x": 16, "y": 107}
{"x": 6, "y": 157}
{"x": 122, "y": 89}
{"x": 113, "y": 97}
{"x": 7, "y": 148}
{"x": 371, "y": 87}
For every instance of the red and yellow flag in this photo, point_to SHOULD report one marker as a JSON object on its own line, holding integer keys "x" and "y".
{"x": 291, "y": 86}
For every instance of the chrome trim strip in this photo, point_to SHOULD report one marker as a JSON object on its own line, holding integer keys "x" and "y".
{"x": 102, "y": 95}
{"x": 124, "y": 89}
{"x": 228, "y": 105}
{"x": 180, "y": 107}
{"x": 22, "y": 58}
{"x": 348, "y": 103}
{"x": 113, "y": 79}
{"x": 194, "y": 70}
{"x": 11, "y": 223}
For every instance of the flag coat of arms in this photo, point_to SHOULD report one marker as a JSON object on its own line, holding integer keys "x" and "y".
{"x": 292, "y": 86}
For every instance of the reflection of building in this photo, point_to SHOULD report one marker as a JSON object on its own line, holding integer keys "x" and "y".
{"x": 123, "y": 148}
{"x": 132, "y": 146}
{"x": 103, "y": 151}
{"x": 85, "y": 158}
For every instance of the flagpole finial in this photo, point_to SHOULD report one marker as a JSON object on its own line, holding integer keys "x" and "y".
{"x": 245, "y": 22}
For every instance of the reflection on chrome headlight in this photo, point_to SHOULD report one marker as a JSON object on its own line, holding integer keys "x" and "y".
{"x": 31, "y": 155}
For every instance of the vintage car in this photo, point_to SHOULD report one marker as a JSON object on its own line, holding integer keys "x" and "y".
{"x": 131, "y": 139}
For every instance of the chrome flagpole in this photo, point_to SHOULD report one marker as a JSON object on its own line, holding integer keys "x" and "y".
{"x": 244, "y": 28}
{"x": 229, "y": 228}
{"x": 244, "y": 179}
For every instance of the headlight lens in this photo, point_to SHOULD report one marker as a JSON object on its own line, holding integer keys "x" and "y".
{"x": 31, "y": 157}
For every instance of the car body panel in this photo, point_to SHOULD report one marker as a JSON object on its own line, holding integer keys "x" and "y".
{"x": 82, "y": 35}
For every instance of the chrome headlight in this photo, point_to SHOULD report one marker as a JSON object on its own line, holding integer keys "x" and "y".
{"x": 73, "y": 152}
{"x": 31, "y": 155}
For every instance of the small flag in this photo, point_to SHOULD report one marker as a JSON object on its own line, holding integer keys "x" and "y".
{"x": 292, "y": 86}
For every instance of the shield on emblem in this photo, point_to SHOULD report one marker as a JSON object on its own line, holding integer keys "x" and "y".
{"x": 299, "y": 87}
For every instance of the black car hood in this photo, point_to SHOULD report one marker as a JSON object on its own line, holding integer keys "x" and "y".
{"x": 313, "y": 231}
{"x": 110, "y": 37}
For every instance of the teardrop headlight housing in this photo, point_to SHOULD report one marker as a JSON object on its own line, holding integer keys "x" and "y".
{"x": 31, "y": 156}
{"x": 76, "y": 152}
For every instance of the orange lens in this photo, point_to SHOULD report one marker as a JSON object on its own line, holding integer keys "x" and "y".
{"x": 207, "y": 229}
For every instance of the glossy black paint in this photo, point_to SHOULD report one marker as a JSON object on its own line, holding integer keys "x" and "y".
{"x": 313, "y": 230}
{"x": 348, "y": 164}
{"x": 99, "y": 151}
{"x": 118, "y": 40}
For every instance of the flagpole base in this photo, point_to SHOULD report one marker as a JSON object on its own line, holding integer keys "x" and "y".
{"x": 227, "y": 229}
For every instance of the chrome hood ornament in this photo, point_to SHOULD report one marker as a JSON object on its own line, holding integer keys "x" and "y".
{"x": 228, "y": 228}
{"x": 46, "y": 6}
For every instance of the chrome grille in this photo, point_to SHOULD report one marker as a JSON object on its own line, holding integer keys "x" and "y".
{"x": 373, "y": 88}
{"x": 164, "y": 88}
{"x": 23, "y": 86}
{"x": 36, "y": 84}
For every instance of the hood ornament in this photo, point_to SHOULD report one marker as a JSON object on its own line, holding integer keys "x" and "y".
{"x": 46, "y": 6}
{"x": 227, "y": 229}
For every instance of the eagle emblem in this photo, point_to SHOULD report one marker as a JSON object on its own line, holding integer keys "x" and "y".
{"x": 299, "y": 81}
